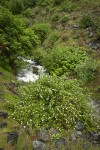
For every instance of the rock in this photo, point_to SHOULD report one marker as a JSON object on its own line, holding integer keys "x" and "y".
{"x": 86, "y": 146}
{"x": 1, "y": 148}
{"x": 43, "y": 135}
{"x": 79, "y": 126}
{"x": 95, "y": 44}
{"x": 3, "y": 124}
{"x": 75, "y": 27}
{"x": 61, "y": 143}
{"x": 38, "y": 145}
{"x": 93, "y": 137}
{"x": 73, "y": 137}
{"x": 1, "y": 73}
{"x": 91, "y": 34}
{"x": 12, "y": 137}
{"x": 52, "y": 131}
{"x": 78, "y": 134}
{"x": 3, "y": 115}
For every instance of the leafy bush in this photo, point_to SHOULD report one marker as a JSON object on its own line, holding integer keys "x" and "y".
{"x": 29, "y": 13}
{"x": 67, "y": 6}
{"x": 63, "y": 60}
{"x": 53, "y": 102}
{"x": 64, "y": 19}
{"x": 86, "y": 21}
{"x": 39, "y": 55}
{"x": 42, "y": 30}
{"x": 87, "y": 70}
{"x": 16, "y": 39}
{"x": 16, "y": 6}
{"x": 55, "y": 17}
{"x": 52, "y": 39}
{"x": 57, "y": 2}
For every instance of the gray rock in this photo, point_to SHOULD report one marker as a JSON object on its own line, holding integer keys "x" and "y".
{"x": 78, "y": 134}
{"x": 86, "y": 146}
{"x": 75, "y": 27}
{"x": 53, "y": 131}
{"x": 1, "y": 148}
{"x": 3, "y": 124}
{"x": 3, "y": 114}
{"x": 12, "y": 137}
{"x": 43, "y": 135}
{"x": 93, "y": 137}
{"x": 91, "y": 34}
{"x": 95, "y": 44}
{"x": 38, "y": 145}
{"x": 1, "y": 73}
{"x": 61, "y": 143}
{"x": 79, "y": 126}
{"x": 73, "y": 137}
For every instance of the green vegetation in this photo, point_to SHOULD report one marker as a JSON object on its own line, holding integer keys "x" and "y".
{"x": 63, "y": 60}
{"x": 64, "y": 37}
{"x": 53, "y": 101}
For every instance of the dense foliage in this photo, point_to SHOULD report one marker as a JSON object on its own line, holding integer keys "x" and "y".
{"x": 63, "y": 60}
{"x": 16, "y": 39}
{"x": 53, "y": 102}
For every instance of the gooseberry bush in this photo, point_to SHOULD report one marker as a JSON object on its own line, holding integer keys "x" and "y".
{"x": 53, "y": 102}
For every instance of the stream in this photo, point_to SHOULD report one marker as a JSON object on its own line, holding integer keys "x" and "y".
{"x": 31, "y": 72}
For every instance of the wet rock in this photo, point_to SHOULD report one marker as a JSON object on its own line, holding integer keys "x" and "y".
{"x": 38, "y": 145}
{"x": 43, "y": 135}
{"x": 12, "y": 137}
{"x": 61, "y": 143}
{"x": 3, "y": 124}
{"x": 95, "y": 44}
{"x": 79, "y": 126}
{"x": 3, "y": 115}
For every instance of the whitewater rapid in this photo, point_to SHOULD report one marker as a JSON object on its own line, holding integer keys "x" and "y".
{"x": 27, "y": 74}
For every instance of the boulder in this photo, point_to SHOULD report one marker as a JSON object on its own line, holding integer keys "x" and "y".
{"x": 3, "y": 115}
{"x": 43, "y": 135}
{"x": 3, "y": 124}
{"x": 95, "y": 44}
{"x": 12, "y": 137}
{"x": 79, "y": 126}
{"x": 38, "y": 145}
{"x": 61, "y": 143}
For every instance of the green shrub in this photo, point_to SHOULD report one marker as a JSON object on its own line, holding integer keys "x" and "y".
{"x": 29, "y": 13}
{"x": 86, "y": 21}
{"x": 52, "y": 39}
{"x": 53, "y": 102}
{"x": 87, "y": 70}
{"x": 39, "y": 55}
{"x": 68, "y": 6}
{"x": 55, "y": 17}
{"x": 15, "y": 39}
{"x": 57, "y": 2}
{"x": 42, "y": 30}
{"x": 63, "y": 60}
{"x": 16, "y": 6}
{"x": 64, "y": 19}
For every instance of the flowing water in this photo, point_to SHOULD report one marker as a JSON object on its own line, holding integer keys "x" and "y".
{"x": 32, "y": 72}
